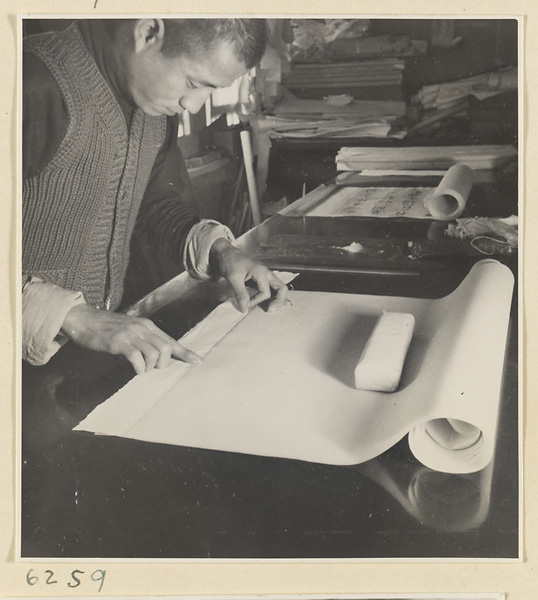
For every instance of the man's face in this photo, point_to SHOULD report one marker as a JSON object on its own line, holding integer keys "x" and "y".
{"x": 162, "y": 85}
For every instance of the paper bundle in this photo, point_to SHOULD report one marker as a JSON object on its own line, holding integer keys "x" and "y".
{"x": 424, "y": 157}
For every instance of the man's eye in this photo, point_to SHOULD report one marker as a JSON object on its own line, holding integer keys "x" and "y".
{"x": 191, "y": 85}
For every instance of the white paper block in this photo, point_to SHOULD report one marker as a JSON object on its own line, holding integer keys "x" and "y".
{"x": 381, "y": 363}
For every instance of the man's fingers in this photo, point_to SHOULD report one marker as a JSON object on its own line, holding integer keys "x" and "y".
{"x": 136, "y": 359}
{"x": 150, "y": 352}
{"x": 157, "y": 348}
{"x": 166, "y": 347}
{"x": 169, "y": 347}
{"x": 264, "y": 290}
{"x": 270, "y": 286}
{"x": 185, "y": 354}
{"x": 139, "y": 340}
{"x": 241, "y": 295}
{"x": 280, "y": 295}
{"x": 145, "y": 357}
{"x": 238, "y": 268}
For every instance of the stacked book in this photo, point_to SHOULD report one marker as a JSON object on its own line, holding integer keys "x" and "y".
{"x": 373, "y": 79}
{"x": 378, "y": 45}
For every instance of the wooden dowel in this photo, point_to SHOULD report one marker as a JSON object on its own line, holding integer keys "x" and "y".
{"x": 246, "y": 146}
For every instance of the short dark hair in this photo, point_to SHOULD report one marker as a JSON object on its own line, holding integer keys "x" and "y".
{"x": 191, "y": 36}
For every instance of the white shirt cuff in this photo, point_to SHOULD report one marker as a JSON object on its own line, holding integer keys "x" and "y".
{"x": 44, "y": 308}
{"x": 198, "y": 244}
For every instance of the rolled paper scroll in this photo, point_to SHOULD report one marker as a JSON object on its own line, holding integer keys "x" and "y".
{"x": 447, "y": 201}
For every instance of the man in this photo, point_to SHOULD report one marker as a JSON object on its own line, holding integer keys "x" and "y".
{"x": 100, "y": 157}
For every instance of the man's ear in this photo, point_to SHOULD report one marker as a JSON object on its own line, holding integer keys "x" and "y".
{"x": 148, "y": 33}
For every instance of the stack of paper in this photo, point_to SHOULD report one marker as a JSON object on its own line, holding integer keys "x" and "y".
{"x": 429, "y": 157}
{"x": 298, "y": 118}
{"x": 446, "y": 94}
{"x": 339, "y": 128}
{"x": 296, "y": 108}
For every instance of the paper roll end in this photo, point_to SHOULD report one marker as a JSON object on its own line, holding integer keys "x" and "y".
{"x": 445, "y": 207}
{"x": 448, "y": 200}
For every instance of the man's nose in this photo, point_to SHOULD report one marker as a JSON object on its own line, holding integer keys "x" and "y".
{"x": 195, "y": 99}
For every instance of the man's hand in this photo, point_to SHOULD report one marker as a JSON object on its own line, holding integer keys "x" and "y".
{"x": 142, "y": 343}
{"x": 238, "y": 268}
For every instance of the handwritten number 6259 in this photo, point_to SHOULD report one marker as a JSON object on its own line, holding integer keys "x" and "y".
{"x": 75, "y": 581}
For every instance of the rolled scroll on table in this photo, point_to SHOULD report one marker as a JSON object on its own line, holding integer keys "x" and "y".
{"x": 447, "y": 201}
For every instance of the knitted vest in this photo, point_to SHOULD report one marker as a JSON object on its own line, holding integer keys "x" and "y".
{"x": 79, "y": 212}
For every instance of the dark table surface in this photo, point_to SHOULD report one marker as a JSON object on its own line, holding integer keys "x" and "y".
{"x": 105, "y": 497}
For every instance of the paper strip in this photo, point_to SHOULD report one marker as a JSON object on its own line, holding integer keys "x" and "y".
{"x": 144, "y": 391}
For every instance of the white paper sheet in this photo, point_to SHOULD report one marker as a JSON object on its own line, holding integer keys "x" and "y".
{"x": 281, "y": 384}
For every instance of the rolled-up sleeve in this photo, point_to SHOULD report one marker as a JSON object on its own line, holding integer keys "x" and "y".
{"x": 44, "y": 308}
{"x": 198, "y": 245}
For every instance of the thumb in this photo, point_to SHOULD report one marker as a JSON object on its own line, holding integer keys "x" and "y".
{"x": 241, "y": 294}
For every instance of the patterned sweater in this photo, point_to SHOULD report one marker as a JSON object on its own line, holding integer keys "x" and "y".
{"x": 80, "y": 210}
